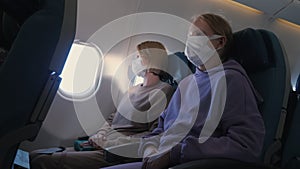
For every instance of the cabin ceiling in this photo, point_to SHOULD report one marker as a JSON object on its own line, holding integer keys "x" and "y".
{"x": 284, "y": 9}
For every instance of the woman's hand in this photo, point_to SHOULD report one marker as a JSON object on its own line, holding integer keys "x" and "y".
{"x": 149, "y": 150}
{"x": 98, "y": 140}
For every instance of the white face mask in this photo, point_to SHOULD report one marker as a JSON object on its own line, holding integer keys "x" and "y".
{"x": 199, "y": 50}
{"x": 137, "y": 67}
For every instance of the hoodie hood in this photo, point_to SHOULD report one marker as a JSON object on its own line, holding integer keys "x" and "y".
{"x": 235, "y": 66}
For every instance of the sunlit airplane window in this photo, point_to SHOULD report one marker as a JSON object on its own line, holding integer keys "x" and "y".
{"x": 81, "y": 73}
{"x": 138, "y": 80}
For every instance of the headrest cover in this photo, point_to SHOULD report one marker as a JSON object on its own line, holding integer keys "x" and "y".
{"x": 249, "y": 50}
{"x": 298, "y": 85}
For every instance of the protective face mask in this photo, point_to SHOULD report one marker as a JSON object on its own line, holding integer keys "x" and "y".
{"x": 199, "y": 50}
{"x": 137, "y": 67}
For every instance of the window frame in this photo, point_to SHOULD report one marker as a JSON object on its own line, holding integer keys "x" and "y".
{"x": 93, "y": 88}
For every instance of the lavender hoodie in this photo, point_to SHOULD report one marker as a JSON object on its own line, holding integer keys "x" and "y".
{"x": 212, "y": 114}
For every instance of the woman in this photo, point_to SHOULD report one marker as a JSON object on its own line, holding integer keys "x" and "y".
{"x": 135, "y": 116}
{"x": 213, "y": 113}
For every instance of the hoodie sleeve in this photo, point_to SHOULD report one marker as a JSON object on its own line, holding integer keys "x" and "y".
{"x": 239, "y": 134}
{"x": 153, "y": 138}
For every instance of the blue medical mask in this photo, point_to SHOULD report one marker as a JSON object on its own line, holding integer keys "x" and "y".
{"x": 199, "y": 50}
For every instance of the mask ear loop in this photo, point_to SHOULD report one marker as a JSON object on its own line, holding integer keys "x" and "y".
{"x": 213, "y": 37}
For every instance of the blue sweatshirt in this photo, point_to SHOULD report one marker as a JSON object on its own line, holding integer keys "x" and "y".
{"x": 212, "y": 114}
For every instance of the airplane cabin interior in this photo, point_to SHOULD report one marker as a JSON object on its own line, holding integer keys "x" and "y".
{"x": 66, "y": 64}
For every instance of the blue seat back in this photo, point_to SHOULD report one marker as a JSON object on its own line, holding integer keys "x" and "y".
{"x": 179, "y": 67}
{"x": 262, "y": 56}
{"x": 291, "y": 148}
{"x": 29, "y": 77}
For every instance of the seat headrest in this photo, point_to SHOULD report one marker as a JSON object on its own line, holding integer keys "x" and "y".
{"x": 298, "y": 85}
{"x": 10, "y": 28}
{"x": 20, "y": 10}
{"x": 250, "y": 50}
{"x": 52, "y": 5}
{"x": 179, "y": 67}
{"x": 15, "y": 13}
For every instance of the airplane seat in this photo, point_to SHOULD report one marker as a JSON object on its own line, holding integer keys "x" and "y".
{"x": 179, "y": 66}
{"x": 261, "y": 54}
{"x": 29, "y": 77}
{"x": 272, "y": 80}
{"x": 10, "y": 28}
{"x": 291, "y": 148}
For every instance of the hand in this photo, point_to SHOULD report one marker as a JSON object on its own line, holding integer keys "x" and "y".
{"x": 149, "y": 150}
{"x": 97, "y": 140}
{"x": 160, "y": 161}
{"x": 85, "y": 143}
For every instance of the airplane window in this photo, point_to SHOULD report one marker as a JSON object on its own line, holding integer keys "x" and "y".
{"x": 81, "y": 73}
{"x": 138, "y": 80}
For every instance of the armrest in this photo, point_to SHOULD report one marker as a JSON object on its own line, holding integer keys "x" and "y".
{"x": 221, "y": 163}
{"x": 122, "y": 153}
